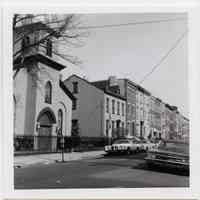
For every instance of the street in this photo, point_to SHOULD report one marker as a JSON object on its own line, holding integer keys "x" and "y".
{"x": 125, "y": 171}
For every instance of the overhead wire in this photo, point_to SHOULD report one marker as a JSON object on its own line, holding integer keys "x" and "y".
{"x": 127, "y": 24}
{"x": 165, "y": 56}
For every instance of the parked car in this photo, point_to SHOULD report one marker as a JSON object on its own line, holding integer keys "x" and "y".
{"x": 169, "y": 154}
{"x": 147, "y": 145}
{"x": 123, "y": 146}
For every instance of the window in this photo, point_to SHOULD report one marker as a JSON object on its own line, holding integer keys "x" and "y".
{"x": 113, "y": 125}
{"x": 113, "y": 106}
{"x": 60, "y": 121}
{"x": 122, "y": 109}
{"x": 118, "y": 108}
{"x": 25, "y": 43}
{"x": 49, "y": 48}
{"x": 107, "y": 105}
{"x": 129, "y": 109}
{"x": 75, "y": 87}
{"x": 122, "y": 125}
{"x": 107, "y": 127}
{"x": 75, "y": 127}
{"x": 123, "y": 129}
{"x": 48, "y": 92}
{"x": 132, "y": 110}
{"x": 74, "y": 104}
{"x": 128, "y": 127}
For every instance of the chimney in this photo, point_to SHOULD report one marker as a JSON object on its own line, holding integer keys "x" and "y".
{"x": 112, "y": 81}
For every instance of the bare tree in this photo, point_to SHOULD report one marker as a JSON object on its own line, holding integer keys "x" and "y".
{"x": 62, "y": 30}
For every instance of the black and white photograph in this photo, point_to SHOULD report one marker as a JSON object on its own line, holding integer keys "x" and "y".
{"x": 100, "y": 100}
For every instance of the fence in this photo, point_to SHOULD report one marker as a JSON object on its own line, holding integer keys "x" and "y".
{"x": 53, "y": 143}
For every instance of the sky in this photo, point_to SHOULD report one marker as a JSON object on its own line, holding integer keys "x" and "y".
{"x": 132, "y": 51}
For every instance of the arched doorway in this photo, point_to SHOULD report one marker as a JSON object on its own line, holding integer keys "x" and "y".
{"x": 46, "y": 119}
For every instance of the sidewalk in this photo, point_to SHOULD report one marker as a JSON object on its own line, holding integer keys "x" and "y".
{"x": 23, "y": 161}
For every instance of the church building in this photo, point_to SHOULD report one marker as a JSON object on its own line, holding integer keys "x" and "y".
{"x": 42, "y": 103}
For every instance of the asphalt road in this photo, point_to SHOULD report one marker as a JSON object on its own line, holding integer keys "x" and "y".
{"x": 108, "y": 171}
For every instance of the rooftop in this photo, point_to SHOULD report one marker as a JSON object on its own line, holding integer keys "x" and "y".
{"x": 111, "y": 90}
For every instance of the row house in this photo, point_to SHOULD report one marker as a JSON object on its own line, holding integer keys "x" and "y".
{"x": 98, "y": 111}
{"x": 171, "y": 124}
{"x": 183, "y": 128}
{"x": 155, "y": 117}
{"x": 146, "y": 115}
{"x": 129, "y": 90}
{"x": 115, "y": 107}
{"x": 142, "y": 112}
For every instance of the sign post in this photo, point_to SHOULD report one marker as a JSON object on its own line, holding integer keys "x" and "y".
{"x": 109, "y": 131}
{"x": 62, "y": 147}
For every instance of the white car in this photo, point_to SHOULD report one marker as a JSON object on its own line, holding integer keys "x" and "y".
{"x": 123, "y": 146}
{"x": 147, "y": 145}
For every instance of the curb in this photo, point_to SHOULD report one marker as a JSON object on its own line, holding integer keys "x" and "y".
{"x": 45, "y": 162}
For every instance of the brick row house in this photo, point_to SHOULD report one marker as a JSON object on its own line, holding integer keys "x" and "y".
{"x": 146, "y": 115}
{"x": 142, "y": 112}
{"x": 129, "y": 90}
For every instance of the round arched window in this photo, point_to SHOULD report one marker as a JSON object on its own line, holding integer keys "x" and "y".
{"x": 48, "y": 92}
{"x": 60, "y": 121}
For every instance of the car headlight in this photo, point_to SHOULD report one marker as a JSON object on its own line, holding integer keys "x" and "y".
{"x": 107, "y": 148}
{"x": 152, "y": 156}
{"x": 185, "y": 160}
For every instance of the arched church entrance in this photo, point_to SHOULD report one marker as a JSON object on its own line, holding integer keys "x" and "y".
{"x": 46, "y": 119}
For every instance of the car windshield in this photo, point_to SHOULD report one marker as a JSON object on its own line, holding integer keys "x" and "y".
{"x": 136, "y": 141}
{"x": 176, "y": 147}
{"x": 121, "y": 142}
{"x": 144, "y": 141}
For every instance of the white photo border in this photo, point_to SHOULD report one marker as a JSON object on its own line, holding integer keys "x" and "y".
{"x": 129, "y": 193}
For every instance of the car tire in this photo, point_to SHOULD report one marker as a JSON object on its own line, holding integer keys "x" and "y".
{"x": 149, "y": 165}
{"x": 129, "y": 151}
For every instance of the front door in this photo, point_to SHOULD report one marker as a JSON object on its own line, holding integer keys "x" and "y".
{"x": 45, "y": 132}
{"x": 118, "y": 128}
{"x": 133, "y": 128}
{"x": 44, "y": 140}
{"x": 141, "y": 128}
